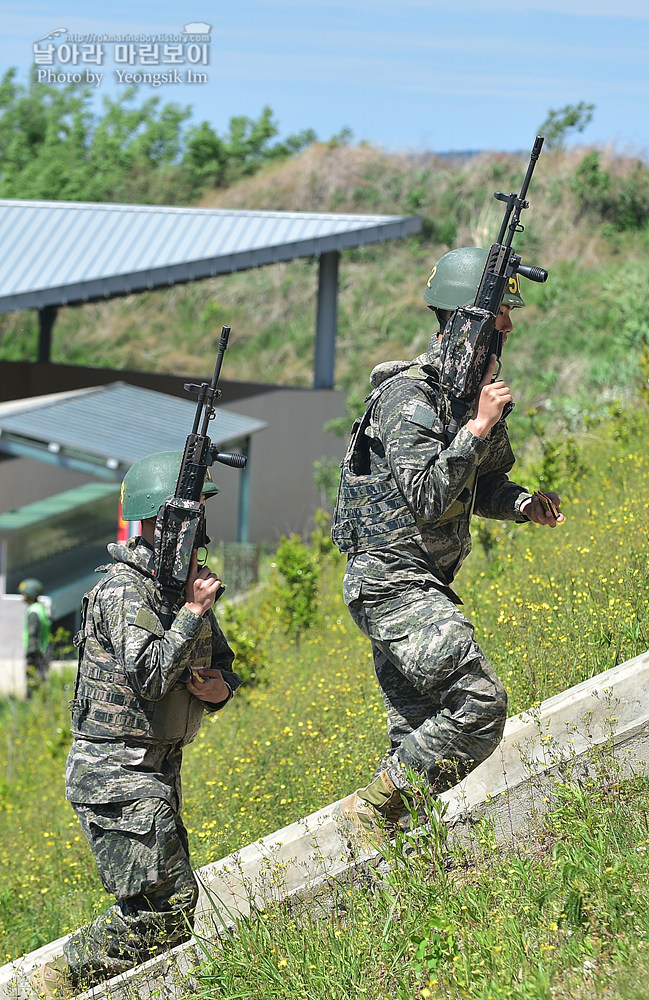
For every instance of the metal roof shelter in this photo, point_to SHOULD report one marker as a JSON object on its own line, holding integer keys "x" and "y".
{"x": 66, "y": 253}
{"x": 103, "y": 431}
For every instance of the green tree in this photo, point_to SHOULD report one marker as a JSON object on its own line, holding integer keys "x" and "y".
{"x": 220, "y": 160}
{"x": 561, "y": 121}
{"x": 54, "y": 146}
{"x": 620, "y": 200}
{"x": 591, "y": 184}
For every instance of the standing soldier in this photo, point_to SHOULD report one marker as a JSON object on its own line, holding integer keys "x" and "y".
{"x": 140, "y": 695}
{"x": 36, "y": 635}
{"x": 408, "y": 489}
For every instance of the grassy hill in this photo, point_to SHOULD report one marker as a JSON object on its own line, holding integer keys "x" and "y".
{"x": 564, "y": 915}
{"x": 576, "y": 346}
{"x": 560, "y": 916}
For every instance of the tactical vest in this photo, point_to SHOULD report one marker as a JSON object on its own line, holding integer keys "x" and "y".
{"x": 105, "y": 706}
{"x": 371, "y": 511}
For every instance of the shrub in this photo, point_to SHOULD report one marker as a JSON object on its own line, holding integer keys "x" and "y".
{"x": 622, "y": 201}
{"x": 297, "y": 590}
{"x": 245, "y": 634}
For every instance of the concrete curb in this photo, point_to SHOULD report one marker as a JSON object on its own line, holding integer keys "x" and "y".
{"x": 558, "y": 739}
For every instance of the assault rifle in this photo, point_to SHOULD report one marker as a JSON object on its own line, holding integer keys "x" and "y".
{"x": 180, "y": 526}
{"x": 470, "y": 337}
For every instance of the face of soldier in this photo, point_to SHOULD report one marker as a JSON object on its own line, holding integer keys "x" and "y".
{"x": 504, "y": 322}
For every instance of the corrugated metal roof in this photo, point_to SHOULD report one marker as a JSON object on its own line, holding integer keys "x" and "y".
{"x": 60, "y": 253}
{"x": 110, "y": 427}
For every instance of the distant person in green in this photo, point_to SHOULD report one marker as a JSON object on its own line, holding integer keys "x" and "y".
{"x": 36, "y": 634}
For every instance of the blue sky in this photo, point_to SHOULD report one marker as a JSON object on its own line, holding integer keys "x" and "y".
{"x": 410, "y": 75}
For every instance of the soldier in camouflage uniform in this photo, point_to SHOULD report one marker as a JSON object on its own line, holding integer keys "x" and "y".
{"x": 409, "y": 486}
{"x": 140, "y": 695}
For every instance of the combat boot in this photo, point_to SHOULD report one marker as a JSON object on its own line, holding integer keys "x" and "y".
{"x": 53, "y": 981}
{"x": 369, "y": 815}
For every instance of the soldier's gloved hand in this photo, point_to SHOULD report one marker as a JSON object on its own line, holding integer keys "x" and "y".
{"x": 208, "y": 685}
{"x": 203, "y": 588}
{"x": 491, "y": 400}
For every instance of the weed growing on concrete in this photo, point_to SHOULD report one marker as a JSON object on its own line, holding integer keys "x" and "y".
{"x": 564, "y": 913}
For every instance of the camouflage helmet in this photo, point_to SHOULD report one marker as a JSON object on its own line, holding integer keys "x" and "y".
{"x": 151, "y": 481}
{"x": 455, "y": 278}
{"x": 31, "y": 588}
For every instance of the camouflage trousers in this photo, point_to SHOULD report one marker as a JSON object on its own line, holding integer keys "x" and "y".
{"x": 141, "y": 851}
{"x": 446, "y": 707}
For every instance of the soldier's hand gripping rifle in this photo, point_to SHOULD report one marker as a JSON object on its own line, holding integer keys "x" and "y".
{"x": 180, "y": 525}
{"x": 470, "y": 337}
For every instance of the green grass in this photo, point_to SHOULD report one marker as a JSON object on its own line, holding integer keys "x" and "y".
{"x": 551, "y": 608}
{"x": 564, "y": 914}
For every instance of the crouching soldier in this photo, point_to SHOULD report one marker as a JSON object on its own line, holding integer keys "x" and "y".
{"x": 140, "y": 695}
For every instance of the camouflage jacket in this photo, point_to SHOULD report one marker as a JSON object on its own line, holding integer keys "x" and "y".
{"x": 442, "y": 478}
{"x": 131, "y": 712}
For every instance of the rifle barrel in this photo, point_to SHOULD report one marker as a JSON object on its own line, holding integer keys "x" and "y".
{"x": 516, "y": 202}
{"x": 536, "y": 152}
{"x": 211, "y": 389}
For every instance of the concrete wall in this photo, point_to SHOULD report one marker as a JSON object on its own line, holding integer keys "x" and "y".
{"x": 283, "y": 497}
{"x": 12, "y": 654}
